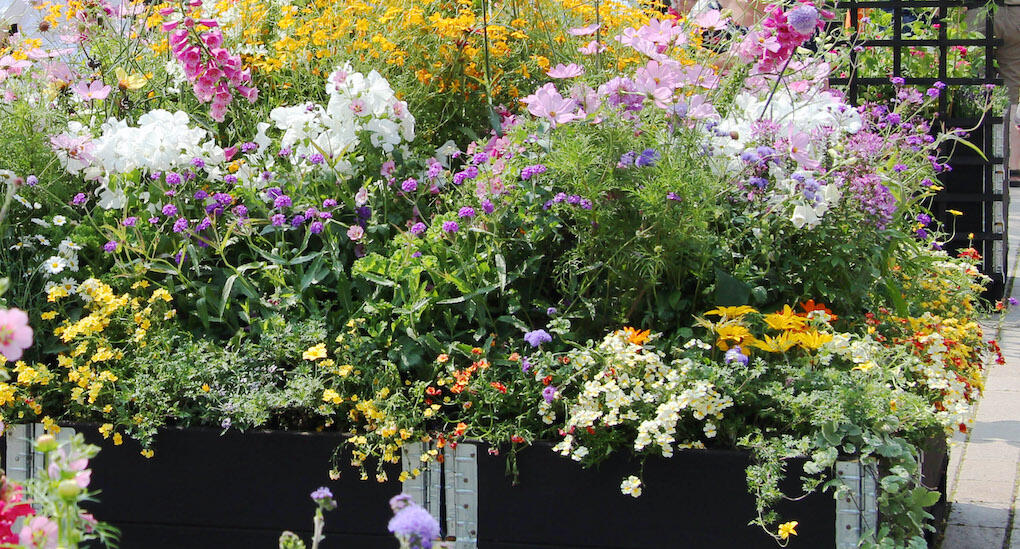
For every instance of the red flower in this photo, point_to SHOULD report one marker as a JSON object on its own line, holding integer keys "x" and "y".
{"x": 498, "y": 386}
{"x": 11, "y": 507}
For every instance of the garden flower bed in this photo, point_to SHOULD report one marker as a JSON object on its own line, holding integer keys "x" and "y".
{"x": 561, "y": 228}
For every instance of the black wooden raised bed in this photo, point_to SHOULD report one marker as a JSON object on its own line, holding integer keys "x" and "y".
{"x": 241, "y": 490}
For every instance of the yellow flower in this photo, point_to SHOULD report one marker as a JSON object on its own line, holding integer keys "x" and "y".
{"x": 785, "y": 319}
{"x": 954, "y": 212}
{"x": 732, "y": 312}
{"x": 812, "y": 339}
{"x": 731, "y": 333}
{"x": 779, "y": 344}
{"x": 866, "y": 366}
{"x": 105, "y": 429}
{"x": 117, "y": 439}
{"x": 49, "y": 315}
{"x": 147, "y": 453}
{"x": 329, "y": 395}
{"x": 788, "y": 529}
{"x": 315, "y": 353}
{"x": 635, "y": 336}
{"x": 127, "y": 81}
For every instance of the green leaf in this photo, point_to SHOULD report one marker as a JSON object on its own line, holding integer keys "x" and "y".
{"x": 500, "y": 270}
{"x": 730, "y": 291}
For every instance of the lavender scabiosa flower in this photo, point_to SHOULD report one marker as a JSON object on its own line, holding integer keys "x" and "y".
{"x": 316, "y": 158}
{"x": 417, "y": 228}
{"x": 435, "y": 168}
{"x": 198, "y": 162}
{"x": 530, "y": 171}
{"x": 180, "y": 225}
{"x": 130, "y": 222}
{"x": 283, "y": 201}
{"x": 414, "y": 527}
{"x": 278, "y": 220}
{"x": 409, "y": 185}
{"x": 537, "y": 337}
{"x": 480, "y": 158}
{"x": 110, "y": 246}
{"x": 803, "y": 19}
{"x": 451, "y": 226}
{"x": 31, "y": 181}
{"x": 153, "y": 220}
{"x": 297, "y": 221}
{"x": 201, "y": 195}
{"x": 173, "y": 178}
{"x": 466, "y": 212}
{"x": 230, "y": 179}
{"x": 79, "y": 199}
{"x": 249, "y": 146}
{"x": 329, "y": 203}
{"x": 169, "y": 210}
{"x": 203, "y": 225}
{"x": 487, "y": 206}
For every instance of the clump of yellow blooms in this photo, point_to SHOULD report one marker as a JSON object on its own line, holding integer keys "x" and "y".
{"x": 807, "y": 330}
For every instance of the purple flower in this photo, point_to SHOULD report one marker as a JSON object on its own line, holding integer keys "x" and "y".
{"x": 316, "y": 227}
{"x": 897, "y": 80}
{"x": 415, "y": 526}
{"x": 153, "y": 220}
{"x": 223, "y": 199}
{"x": 922, "y": 234}
{"x": 201, "y": 195}
{"x": 171, "y": 193}
{"x": 325, "y": 215}
{"x": 480, "y": 158}
{"x": 549, "y": 393}
{"x": 899, "y": 168}
{"x": 241, "y": 210}
{"x": 32, "y": 181}
{"x": 322, "y": 493}
{"x": 1012, "y": 301}
{"x": 230, "y": 179}
{"x": 173, "y": 178}
{"x": 418, "y": 228}
{"x": 248, "y": 147}
{"x": 530, "y": 171}
{"x": 282, "y": 201}
{"x": 939, "y": 85}
{"x": 316, "y": 158}
{"x": 329, "y": 203}
{"x": 647, "y": 158}
{"x": 537, "y": 337}
{"x": 585, "y": 204}
{"x": 400, "y": 501}
{"x": 297, "y": 221}
{"x": 673, "y": 196}
{"x": 110, "y": 246}
{"x": 736, "y": 355}
{"x": 933, "y": 92}
{"x": 204, "y": 224}
{"x": 283, "y": 153}
{"x": 525, "y": 364}
{"x": 435, "y": 168}
{"x": 409, "y": 185}
{"x": 574, "y": 199}
{"x": 550, "y": 311}
{"x": 416, "y": 254}
{"x": 487, "y": 206}
{"x": 626, "y": 159}
{"x": 923, "y": 219}
{"x": 130, "y": 222}
{"x": 803, "y": 19}
{"x": 466, "y": 211}
{"x": 79, "y": 199}
{"x": 278, "y": 220}
{"x": 180, "y": 225}
{"x": 451, "y": 226}
{"x": 169, "y": 210}
{"x": 198, "y": 162}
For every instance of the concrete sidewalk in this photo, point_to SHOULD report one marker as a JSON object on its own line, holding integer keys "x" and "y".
{"x": 983, "y": 466}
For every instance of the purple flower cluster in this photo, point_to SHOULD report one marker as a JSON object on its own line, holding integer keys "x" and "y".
{"x": 573, "y": 200}
{"x": 412, "y": 524}
{"x": 531, "y": 171}
{"x": 644, "y": 159}
{"x": 874, "y": 198}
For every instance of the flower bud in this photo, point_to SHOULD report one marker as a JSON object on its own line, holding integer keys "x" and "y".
{"x": 46, "y": 443}
{"x": 68, "y": 489}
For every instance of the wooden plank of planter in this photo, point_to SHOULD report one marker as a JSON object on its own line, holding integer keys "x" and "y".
{"x": 252, "y": 485}
{"x": 695, "y": 499}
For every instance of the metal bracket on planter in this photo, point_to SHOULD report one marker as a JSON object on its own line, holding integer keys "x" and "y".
{"x": 461, "y": 475}
{"x": 426, "y": 488}
{"x": 857, "y": 509}
{"x": 22, "y": 459}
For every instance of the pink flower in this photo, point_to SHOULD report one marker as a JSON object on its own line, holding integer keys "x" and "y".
{"x": 547, "y": 103}
{"x": 355, "y": 232}
{"x": 11, "y": 508}
{"x": 15, "y": 333}
{"x": 584, "y": 31}
{"x": 591, "y": 48}
{"x": 94, "y": 90}
{"x": 711, "y": 19}
{"x": 572, "y": 70}
{"x": 39, "y": 533}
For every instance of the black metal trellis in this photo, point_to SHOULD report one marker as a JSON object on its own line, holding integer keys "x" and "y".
{"x": 978, "y": 187}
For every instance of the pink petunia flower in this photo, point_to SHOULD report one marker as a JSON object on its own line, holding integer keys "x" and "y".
{"x": 572, "y": 70}
{"x": 547, "y": 103}
{"x": 94, "y": 90}
{"x": 15, "y": 333}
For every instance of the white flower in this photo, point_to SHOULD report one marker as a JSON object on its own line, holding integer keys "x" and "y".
{"x": 55, "y": 264}
{"x": 59, "y": 220}
{"x": 69, "y": 285}
{"x": 804, "y": 215}
{"x": 631, "y": 486}
{"x": 67, "y": 247}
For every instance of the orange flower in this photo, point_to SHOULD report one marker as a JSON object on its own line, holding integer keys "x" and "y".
{"x": 810, "y": 306}
{"x": 635, "y": 336}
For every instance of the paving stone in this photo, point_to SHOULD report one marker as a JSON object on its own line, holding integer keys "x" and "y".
{"x": 983, "y": 491}
{"x": 980, "y": 514}
{"x": 990, "y": 469}
{"x": 973, "y": 537}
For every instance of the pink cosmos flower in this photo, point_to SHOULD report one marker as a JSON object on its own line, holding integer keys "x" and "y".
{"x": 711, "y": 19}
{"x": 591, "y": 48}
{"x": 572, "y": 70}
{"x": 15, "y": 333}
{"x": 799, "y": 147}
{"x": 94, "y": 90}
{"x": 547, "y": 103}
{"x": 39, "y": 533}
{"x": 584, "y": 31}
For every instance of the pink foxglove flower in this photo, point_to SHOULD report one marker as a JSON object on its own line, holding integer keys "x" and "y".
{"x": 547, "y": 103}
{"x": 94, "y": 90}
{"x": 572, "y": 70}
{"x": 15, "y": 333}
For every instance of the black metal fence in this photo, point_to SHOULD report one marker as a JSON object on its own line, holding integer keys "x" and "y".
{"x": 973, "y": 205}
